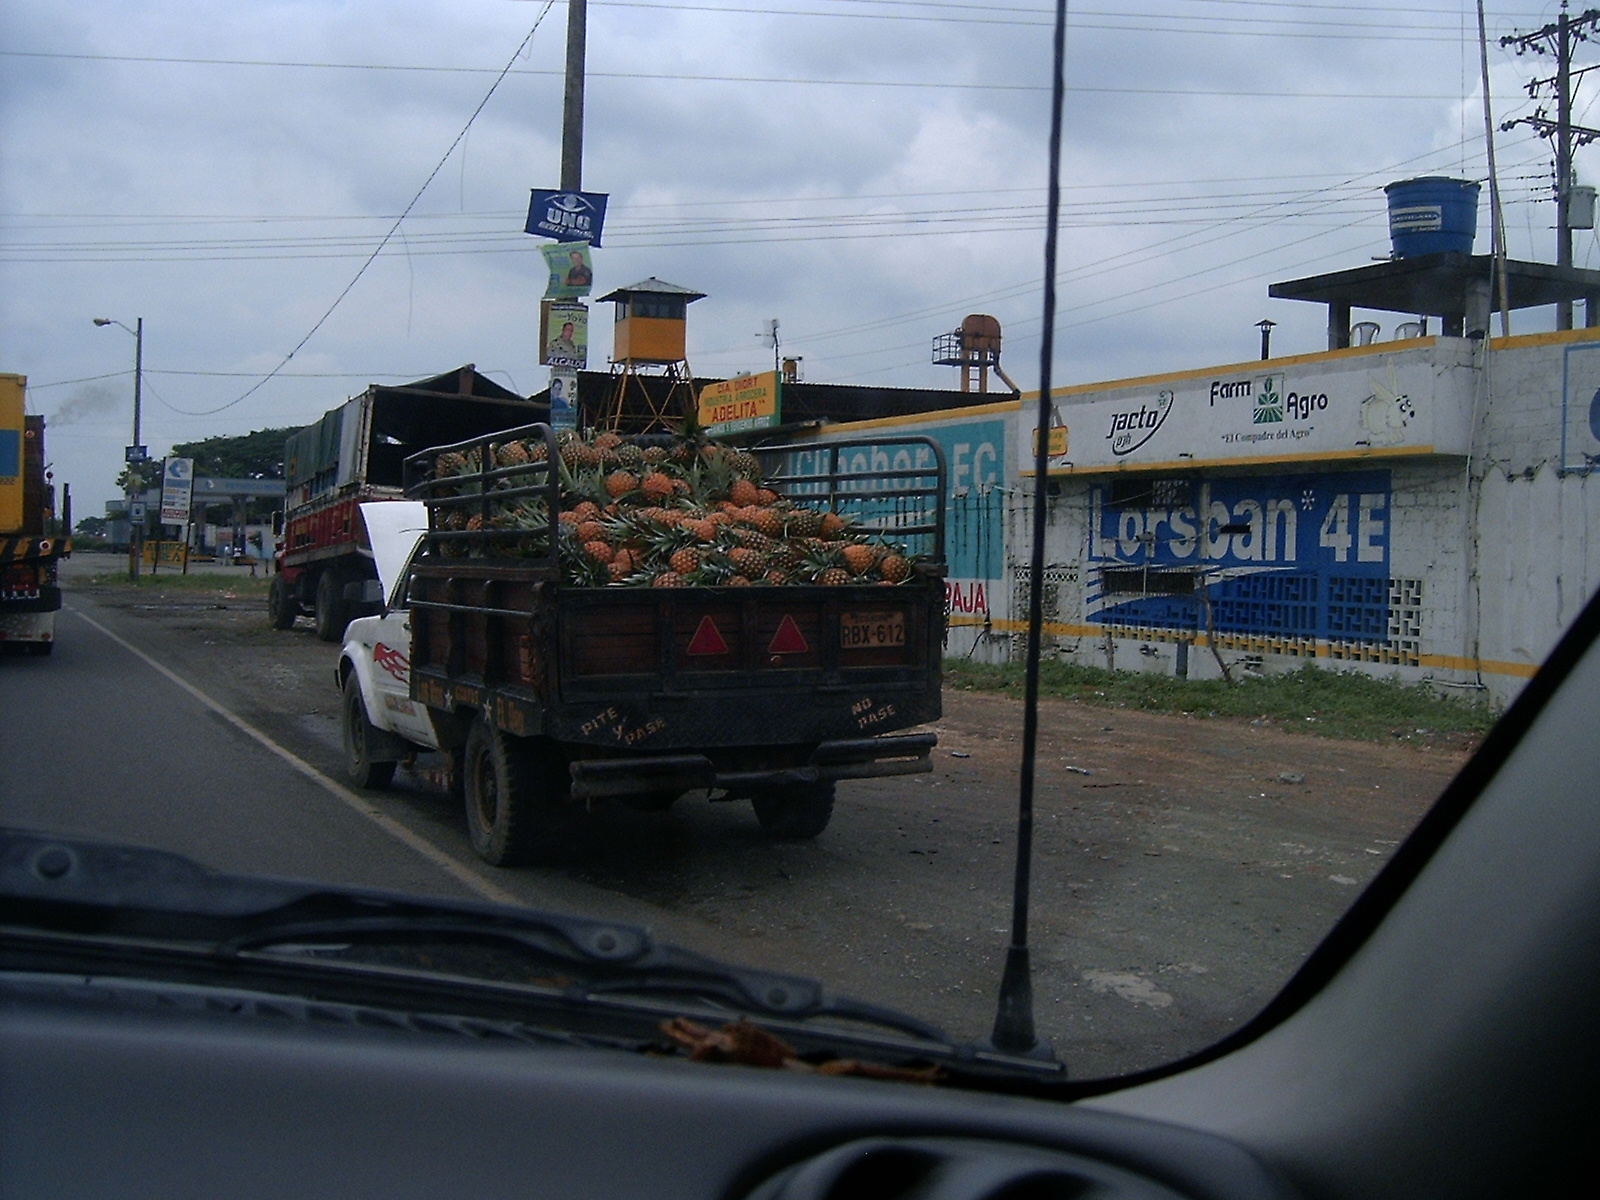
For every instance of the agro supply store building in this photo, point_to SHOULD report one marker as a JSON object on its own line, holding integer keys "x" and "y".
{"x": 1418, "y": 507}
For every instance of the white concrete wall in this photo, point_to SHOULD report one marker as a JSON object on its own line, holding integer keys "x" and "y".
{"x": 1499, "y": 542}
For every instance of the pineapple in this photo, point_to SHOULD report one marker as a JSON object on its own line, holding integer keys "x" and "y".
{"x": 599, "y": 551}
{"x": 746, "y": 464}
{"x": 667, "y": 579}
{"x": 748, "y": 562}
{"x": 776, "y": 577}
{"x": 630, "y": 457}
{"x": 832, "y": 526}
{"x": 657, "y": 486}
{"x": 858, "y": 559}
{"x": 894, "y": 568}
{"x": 803, "y": 523}
{"x": 511, "y": 454}
{"x": 653, "y": 455}
{"x": 619, "y": 483}
{"x": 769, "y": 521}
{"x": 607, "y": 440}
{"x": 449, "y": 463}
{"x": 736, "y": 581}
{"x": 834, "y": 577}
{"x": 685, "y": 561}
{"x": 743, "y": 493}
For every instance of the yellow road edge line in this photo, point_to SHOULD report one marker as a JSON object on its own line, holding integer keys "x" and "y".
{"x": 452, "y": 866}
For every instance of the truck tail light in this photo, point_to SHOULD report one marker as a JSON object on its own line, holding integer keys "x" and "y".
{"x": 20, "y": 577}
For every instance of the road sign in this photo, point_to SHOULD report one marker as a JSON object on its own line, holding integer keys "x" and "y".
{"x": 567, "y": 216}
{"x": 136, "y": 512}
{"x": 177, "y": 490}
{"x": 135, "y": 454}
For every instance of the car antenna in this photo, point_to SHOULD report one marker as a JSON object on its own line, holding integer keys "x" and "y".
{"x": 1013, "y": 1019}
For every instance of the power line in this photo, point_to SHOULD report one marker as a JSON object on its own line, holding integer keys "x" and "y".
{"x": 767, "y": 80}
{"x": 386, "y": 237}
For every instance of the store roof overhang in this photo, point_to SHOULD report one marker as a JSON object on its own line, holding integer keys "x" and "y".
{"x": 1438, "y": 284}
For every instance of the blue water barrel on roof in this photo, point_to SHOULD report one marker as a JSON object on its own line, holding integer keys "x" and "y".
{"x": 1432, "y": 215}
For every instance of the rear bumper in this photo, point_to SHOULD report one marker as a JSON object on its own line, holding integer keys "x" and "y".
{"x": 46, "y": 600}
{"x": 27, "y": 626}
{"x": 852, "y": 758}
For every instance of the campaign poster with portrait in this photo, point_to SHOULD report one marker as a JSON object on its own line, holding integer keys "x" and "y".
{"x": 563, "y": 335}
{"x": 563, "y": 398}
{"x": 571, "y": 270}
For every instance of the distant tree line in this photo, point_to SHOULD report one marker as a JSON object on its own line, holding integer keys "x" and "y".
{"x": 257, "y": 455}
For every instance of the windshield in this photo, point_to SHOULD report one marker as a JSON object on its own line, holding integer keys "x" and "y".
{"x": 728, "y": 638}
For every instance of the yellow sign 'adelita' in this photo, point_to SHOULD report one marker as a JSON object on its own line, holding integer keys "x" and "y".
{"x": 735, "y": 405}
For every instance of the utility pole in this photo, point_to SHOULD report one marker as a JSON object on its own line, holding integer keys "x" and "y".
{"x": 1560, "y": 39}
{"x": 135, "y": 464}
{"x": 138, "y": 374}
{"x": 572, "y": 101}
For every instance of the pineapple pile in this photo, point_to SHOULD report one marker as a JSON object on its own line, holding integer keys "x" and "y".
{"x": 678, "y": 515}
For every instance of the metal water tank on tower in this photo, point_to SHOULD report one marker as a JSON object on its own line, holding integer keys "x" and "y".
{"x": 975, "y": 348}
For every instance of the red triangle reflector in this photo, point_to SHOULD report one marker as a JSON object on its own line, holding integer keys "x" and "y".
{"x": 788, "y": 639}
{"x": 707, "y": 638}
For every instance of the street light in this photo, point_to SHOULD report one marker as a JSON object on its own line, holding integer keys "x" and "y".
{"x": 134, "y": 542}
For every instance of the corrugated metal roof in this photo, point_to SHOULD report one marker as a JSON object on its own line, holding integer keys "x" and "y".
{"x": 654, "y": 287}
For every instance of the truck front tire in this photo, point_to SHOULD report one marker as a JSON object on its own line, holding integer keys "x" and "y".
{"x": 332, "y": 615}
{"x": 282, "y": 608}
{"x": 359, "y": 739}
{"x": 513, "y": 798}
{"x": 795, "y": 813}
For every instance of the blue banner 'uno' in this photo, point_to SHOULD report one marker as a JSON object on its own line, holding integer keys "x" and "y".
{"x": 567, "y": 216}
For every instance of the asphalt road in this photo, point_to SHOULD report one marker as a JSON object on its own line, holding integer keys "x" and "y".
{"x": 1183, "y": 868}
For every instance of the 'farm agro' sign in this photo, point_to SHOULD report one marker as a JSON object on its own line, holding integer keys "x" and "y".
{"x": 1407, "y": 401}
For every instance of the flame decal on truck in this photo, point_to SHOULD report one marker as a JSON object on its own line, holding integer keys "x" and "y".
{"x": 392, "y": 661}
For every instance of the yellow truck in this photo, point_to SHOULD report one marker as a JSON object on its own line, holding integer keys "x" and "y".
{"x": 30, "y": 545}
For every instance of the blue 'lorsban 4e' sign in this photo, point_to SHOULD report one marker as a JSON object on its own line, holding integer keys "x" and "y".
{"x": 1299, "y": 556}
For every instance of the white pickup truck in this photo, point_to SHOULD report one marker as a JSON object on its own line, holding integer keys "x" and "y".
{"x": 382, "y": 723}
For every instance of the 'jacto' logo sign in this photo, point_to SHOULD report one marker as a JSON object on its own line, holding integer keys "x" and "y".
{"x": 1132, "y": 428}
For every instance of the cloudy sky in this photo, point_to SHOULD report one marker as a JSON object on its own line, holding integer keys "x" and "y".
{"x": 865, "y": 171}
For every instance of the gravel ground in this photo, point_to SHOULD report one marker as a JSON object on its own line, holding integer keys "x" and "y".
{"x": 1183, "y": 867}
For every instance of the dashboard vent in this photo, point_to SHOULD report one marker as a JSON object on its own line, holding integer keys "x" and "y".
{"x": 954, "y": 1169}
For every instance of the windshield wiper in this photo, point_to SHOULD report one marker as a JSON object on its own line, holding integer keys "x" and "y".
{"x": 163, "y": 913}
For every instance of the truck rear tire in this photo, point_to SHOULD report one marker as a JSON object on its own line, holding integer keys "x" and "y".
{"x": 332, "y": 616}
{"x": 795, "y": 813}
{"x": 359, "y": 736}
{"x": 513, "y": 798}
{"x": 282, "y": 608}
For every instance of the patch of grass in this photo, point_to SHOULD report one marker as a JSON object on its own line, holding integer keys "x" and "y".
{"x": 1342, "y": 704}
{"x": 175, "y": 581}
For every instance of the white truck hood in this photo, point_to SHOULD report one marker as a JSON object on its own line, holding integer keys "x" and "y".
{"x": 394, "y": 527}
